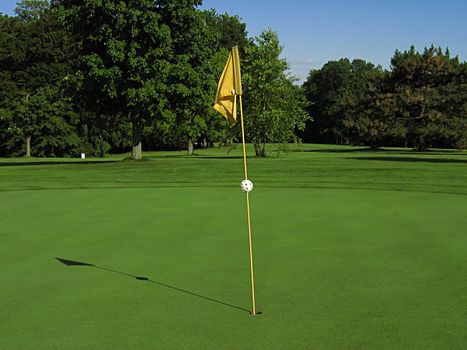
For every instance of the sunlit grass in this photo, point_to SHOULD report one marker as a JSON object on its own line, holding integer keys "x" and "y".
{"x": 354, "y": 249}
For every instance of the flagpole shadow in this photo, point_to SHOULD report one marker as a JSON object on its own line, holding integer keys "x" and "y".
{"x": 142, "y": 278}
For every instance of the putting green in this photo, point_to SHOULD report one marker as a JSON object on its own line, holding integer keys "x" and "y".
{"x": 167, "y": 264}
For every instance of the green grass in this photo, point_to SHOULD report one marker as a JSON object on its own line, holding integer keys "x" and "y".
{"x": 353, "y": 250}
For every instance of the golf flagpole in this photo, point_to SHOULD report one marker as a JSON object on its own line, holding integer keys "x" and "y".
{"x": 229, "y": 87}
{"x": 250, "y": 241}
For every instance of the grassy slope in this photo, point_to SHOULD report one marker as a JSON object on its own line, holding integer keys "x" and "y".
{"x": 354, "y": 250}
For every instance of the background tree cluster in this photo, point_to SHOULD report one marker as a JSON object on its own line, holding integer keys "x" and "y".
{"x": 100, "y": 76}
{"x": 420, "y": 102}
{"x": 96, "y": 76}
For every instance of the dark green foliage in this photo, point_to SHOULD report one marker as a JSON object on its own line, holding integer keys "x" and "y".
{"x": 323, "y": 89}
{"x": 152, "y": 63}
{"x": 35, "y": 60}
{"x": 149, "y": 65}
{"x": 102, "y": 134}
{"x": 427, "y": 85}
{"x": 125, "y": 71}
{"x": 191, "y": 73}
{"x": 421, "y": 102}
{"x": 231, "y": 30}
{"x": 12, "y": 54}
{"x": 125, "y": 58}
{"x": 47, "y": 119}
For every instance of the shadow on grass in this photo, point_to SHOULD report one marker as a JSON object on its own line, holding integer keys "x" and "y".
{"x": 35, "y": 163}
{"x": 218, "y": 157}
{"x": 414, "y": 160}
{"x": 379, "y": 150}
{"x": 194, "y": 156}
{"x": 146, "y": 279}
{"x": 337, "y": 150}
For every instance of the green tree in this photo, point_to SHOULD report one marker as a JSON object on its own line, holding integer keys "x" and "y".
{"x": 193, "y": 46}
{"x": 324, "y": 90}
{"x": 12, "y": 55}
{"x": 232, "y": 31}
{"x": 456, "y": 108}
{"x": 35, "y": 56}
{"x": 420, "y": 82}
{"x": 420, "y": 99}
{"x": 47, "y": 120}
{"x": 274, "y": 107}
{"x": 201, "y": 42}
{"x": 367, "y": 108}
{"x": 125, "y": 46}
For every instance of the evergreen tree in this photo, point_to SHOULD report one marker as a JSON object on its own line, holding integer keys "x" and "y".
{"x": 420, "y": 81}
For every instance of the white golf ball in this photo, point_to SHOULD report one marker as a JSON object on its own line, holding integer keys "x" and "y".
{"x": 246, "y": 186}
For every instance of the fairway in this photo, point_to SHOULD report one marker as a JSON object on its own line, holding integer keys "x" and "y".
{"x": 353, "y": 249}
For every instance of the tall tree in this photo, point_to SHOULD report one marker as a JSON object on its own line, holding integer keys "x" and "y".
{"x": 193, "y": 45}
{"x": 12, "y": 55}
{"x": 419, "y": 80}
{"x": 47, "y": 120}
{"x": 124, "y": 62}
{"x": 274, "y": 107}
{"x": 35, "y": 57}
{"x": 324, "y": 89}
{"x": 366, "y": 107}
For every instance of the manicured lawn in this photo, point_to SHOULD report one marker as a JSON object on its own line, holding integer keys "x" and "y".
{"x": 353, "y": 250}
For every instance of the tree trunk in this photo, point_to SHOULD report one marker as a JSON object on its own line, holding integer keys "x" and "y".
{"x": 101, "y": 147}
{"x": 101, "y": 152}
{"x": 28, "y": 146}
{"x": 190, "y": 147}
{"x": 136, "y": 152}
{"x": 420, "y": 145}
{"x": 374, "y": 146}
{"x": 260, "y": 149}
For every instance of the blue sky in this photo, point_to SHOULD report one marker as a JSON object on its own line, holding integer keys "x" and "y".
{"x": 314, "y": 32}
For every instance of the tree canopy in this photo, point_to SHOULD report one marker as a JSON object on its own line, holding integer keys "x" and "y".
{"x": 420, "y": 101}
{"x": 101, "y": 76}
{"x": 273, "y": 104}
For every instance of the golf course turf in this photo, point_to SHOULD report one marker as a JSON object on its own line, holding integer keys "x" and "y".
{"x": 354, "y": 249}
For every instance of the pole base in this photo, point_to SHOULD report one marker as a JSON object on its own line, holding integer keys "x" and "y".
{"x": 257, "y": 313}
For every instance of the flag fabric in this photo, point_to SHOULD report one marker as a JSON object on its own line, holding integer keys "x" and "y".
{"x": 230, "y": 86}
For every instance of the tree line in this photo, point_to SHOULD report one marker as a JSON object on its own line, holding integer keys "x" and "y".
{"x": 95, "y": 76}
{"x": 99, "y": 76}
{"x": 420, "y": 102}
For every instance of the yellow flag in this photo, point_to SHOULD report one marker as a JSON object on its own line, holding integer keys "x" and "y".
{"x": 230, "y": 86}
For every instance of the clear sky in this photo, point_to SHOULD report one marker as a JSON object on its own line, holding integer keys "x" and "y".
{"x": 314, "y": 32}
